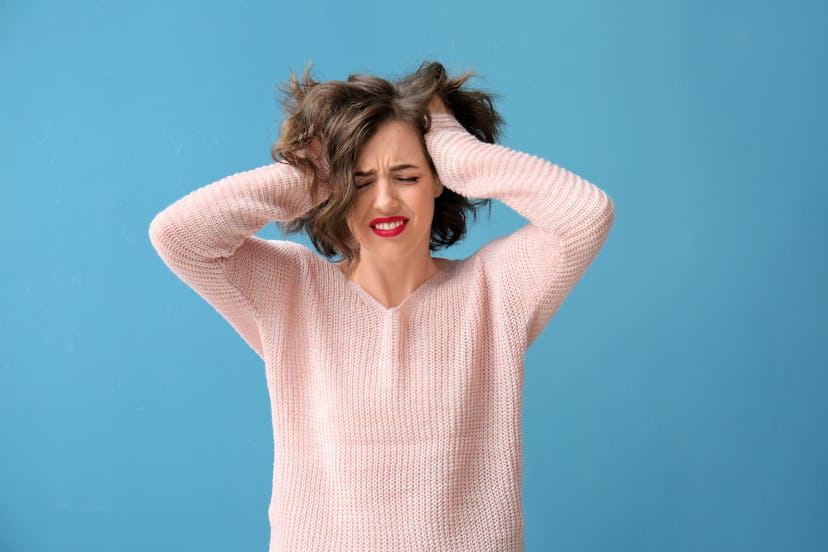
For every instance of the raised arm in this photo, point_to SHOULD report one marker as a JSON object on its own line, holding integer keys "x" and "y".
{"x": 207, "y": 238}
{"x": 569, "y": 219}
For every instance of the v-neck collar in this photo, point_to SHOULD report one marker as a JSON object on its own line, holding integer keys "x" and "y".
{"x": 370, "y": 299}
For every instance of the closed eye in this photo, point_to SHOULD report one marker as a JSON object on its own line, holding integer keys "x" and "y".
{"x": 409, "y": 179}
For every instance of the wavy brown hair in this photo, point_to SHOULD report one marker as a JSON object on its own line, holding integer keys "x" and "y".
{"x": 345, "y": 115}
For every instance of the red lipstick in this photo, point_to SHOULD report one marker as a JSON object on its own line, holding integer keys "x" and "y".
{"x": 385, "y": 219}
{"x": 388, "y": 233}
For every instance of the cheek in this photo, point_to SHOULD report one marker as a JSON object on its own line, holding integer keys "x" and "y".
{"x": 353, "y": 218}
{"x": 350, "y": 222}
{"x": 428, "y": 202}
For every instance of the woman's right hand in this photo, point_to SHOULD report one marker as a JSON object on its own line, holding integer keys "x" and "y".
{"x": 317, "y": 152}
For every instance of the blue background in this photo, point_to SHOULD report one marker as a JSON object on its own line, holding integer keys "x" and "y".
{"x": 676, "y": 402}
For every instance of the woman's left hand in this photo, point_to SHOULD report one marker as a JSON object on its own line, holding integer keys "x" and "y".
{"x": 437, "y": 105}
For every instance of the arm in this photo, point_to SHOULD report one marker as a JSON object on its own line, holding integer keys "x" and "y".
{"x": 207, "y": 239}
{"x": 569, "y": 219}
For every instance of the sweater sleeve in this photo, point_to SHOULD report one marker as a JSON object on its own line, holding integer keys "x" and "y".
{"x": 532, "y": 270}
{"x": 207, "y": 239}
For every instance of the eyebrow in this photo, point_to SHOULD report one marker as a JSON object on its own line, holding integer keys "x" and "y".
{"x": 395, "y": 168}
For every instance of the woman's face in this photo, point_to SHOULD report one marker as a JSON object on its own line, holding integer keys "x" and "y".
{"x": 393, "y": 179}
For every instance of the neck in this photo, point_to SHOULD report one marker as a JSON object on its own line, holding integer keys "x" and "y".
{"x": 390, "y": 282}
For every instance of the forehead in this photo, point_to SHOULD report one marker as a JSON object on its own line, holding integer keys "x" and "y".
{"x": 394, "y": 141}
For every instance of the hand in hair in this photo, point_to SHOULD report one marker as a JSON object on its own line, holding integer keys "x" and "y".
{"x": 437, "y": 105}
{"x": 317, "y": 152}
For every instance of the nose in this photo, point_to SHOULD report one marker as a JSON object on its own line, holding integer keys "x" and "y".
{"x": 385, "y": 197}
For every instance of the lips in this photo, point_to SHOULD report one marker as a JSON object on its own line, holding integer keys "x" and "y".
{"x": 386, "y": 219}
{"x": 400, "y": 222}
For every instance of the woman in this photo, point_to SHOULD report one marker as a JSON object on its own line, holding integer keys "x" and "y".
{"x": 395, "y": 377}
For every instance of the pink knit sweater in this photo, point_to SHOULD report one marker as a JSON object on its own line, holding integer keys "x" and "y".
{"x": 394, "y": 428}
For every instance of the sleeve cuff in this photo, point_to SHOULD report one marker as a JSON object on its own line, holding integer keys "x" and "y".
{"x": 444, "y": 120}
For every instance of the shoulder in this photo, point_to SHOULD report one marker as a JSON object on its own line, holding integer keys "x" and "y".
{"x": 442, "y": 263}
{"x": 269, "y": 260}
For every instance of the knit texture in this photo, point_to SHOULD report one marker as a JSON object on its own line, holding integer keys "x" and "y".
{"x": 399, "y": 428}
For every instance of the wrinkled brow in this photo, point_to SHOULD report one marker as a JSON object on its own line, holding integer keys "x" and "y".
{"x": 395, "y": 168}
